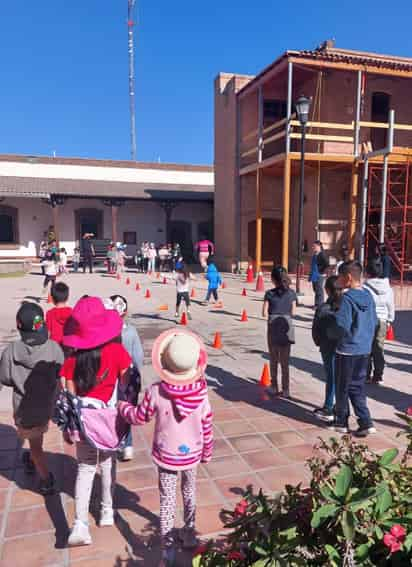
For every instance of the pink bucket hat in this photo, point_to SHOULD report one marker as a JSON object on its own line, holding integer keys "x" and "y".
{"x": 179, "y": 357}
{"x": 91, "y": 325}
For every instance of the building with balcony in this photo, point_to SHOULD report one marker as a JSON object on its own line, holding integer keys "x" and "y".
{"x": 257, "y": 157}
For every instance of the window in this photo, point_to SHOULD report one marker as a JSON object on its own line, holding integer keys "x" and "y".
{"x": 273, "y": 110}
{"x": 130, "y": 238}
{"x": 8, "y": 225}
{"x": 379, "y": 113}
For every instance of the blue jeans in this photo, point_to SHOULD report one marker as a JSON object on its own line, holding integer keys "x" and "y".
{"x": 128, "y": 442}
{"x": 329, "y": 359}
{"x": 351, "y": 372}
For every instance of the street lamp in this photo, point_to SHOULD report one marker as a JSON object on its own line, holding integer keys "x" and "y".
{"x": 302, "y": 106}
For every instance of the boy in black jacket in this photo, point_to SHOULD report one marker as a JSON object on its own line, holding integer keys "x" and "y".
{"x": 318, "y": 272}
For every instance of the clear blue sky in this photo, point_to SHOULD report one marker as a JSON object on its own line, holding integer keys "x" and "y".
{"x": 63, "y": 66}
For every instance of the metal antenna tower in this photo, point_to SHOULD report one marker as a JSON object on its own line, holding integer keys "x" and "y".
{"x": 130, "y": 26}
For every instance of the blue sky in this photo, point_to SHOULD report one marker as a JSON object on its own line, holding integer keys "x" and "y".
{"x": 63, "y": 65}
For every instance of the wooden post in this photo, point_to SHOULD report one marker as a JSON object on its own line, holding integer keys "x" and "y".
{"x": 353, "y": 208}
{"x": 286, "y": 213}
{"x": 258, "y": 223}
{"x": 115, "y": 210}
{"x": 55, "y": 209}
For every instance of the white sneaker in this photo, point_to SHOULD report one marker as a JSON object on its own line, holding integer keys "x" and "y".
{"x": 127, "y": 454}
{"x": 79, "y": 535}
{"x": 106, "y": 517}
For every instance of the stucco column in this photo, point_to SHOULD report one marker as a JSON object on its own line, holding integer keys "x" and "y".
{"x": 115, "y": 210}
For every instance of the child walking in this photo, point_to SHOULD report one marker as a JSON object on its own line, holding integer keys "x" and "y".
{"x": 183, "y": 433}
{"x": 324, "y": 321}
{"x": 50, "y": 270}
{"x": 31, "y": 367}
{"x": 214, "y": 279}
{"x": 152, "y": 255}
{"x": 183, "y": 278}
{"x": 62, "y": 261}
{"x": 57, "y": 316}
{"x": 76, "y": 260}
{"x": 279, "y": 307}
{"x": 92, "y": 373}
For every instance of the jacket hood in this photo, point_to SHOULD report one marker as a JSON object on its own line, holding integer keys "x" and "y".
{"x": 380, "y": 286}
{"x": 360, "y": 298}
{"x": 27, "y": 355}
{"x": 186, "y": 399}
{"x": 211, "y": 268}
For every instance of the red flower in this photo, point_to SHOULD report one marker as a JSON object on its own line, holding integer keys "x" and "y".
{"x": 200, "y": 550}
{"x": 235, "y": 556}
{"x": 392, "y": 543}
{"x": 398, "y": 532}
{"x": 409, "y": 411}
{"x": 241, "y": 508}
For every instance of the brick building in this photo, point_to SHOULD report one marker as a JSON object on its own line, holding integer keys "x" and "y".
{"x": 257, "y": 156}
{"x": 116, "y": 200}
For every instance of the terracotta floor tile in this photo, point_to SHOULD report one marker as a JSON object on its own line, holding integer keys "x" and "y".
{"x": 206, "y": 493}
{"x": 299, "y": 453}
{"x": 249, "y": 411}
{"x": 238, "y": 427}
{"x": 36, "y": 551}
{"x": 377, "y": 443}
{"x": 140, "y": 460}
{"x": 224, "y": 466}
{"x": 105, "y": 541}
{"x": 232, "y": 487}
{"x": 269, "y": 424}
{"x": 245, "y": 443}
{"x": 208, "y": 519}
{"x": 26, "y": 498}
{"x": 276, "y": 479}
{"x": 264, "y": 459}
{"x": 139, "y": 478}
{"x": 6, "y": 477}
{"x": 284, "y": 438}
{"x": 225, "y": 414}
{"x": 221, "y": 448}
{"x": 136, "y": 500}
{"x": 3, "y": 497}
{"x": 28, "y": 521}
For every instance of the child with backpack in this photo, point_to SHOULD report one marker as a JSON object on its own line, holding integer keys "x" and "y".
{"x": 31, "y": 367}
{"x": 323, "y": 321}
{"x": 57, "y": 316}
{"x": 279, "y": 307}
{"x": 92, "y": 373}
{"x": 183, "y": 435}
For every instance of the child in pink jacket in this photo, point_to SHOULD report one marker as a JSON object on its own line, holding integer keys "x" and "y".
{"x": 183, "y": 435}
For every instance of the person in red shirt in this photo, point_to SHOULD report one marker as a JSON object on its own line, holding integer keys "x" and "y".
{"x": 57, "y": 316}
{"x": 92, "y": 373}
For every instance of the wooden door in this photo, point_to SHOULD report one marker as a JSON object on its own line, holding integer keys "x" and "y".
{"x": 271, "y": 240}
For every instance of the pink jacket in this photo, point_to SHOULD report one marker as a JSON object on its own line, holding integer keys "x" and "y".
{"x": 203, "y": 246}
{"x": 183, "y": 435}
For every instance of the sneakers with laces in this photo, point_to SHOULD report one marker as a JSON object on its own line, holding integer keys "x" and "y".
{"x": 365, "y": 431}
{"x": 127, "y": 454}
{"x": 188, "y": 538}
{"x": 47, "y": 487}
{"x": 338, "y": 428}
{"x": 79, "y": 535}
{"x": 324, "y": 414}
{"x": 168, "y": 557}
{"x": 106, "y": 517}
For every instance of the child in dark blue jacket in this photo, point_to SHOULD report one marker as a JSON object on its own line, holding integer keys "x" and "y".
{"x": 356, "y": 324}
{"x": 214, "y": 279}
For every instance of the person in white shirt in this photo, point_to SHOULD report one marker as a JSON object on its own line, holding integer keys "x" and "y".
{"x": 382, "y": 294}
{"x": 183, "y": 278}
{"x": 152, "y": 255}
{"x": 62, "y": 261}
{"x": 50, "y": 270}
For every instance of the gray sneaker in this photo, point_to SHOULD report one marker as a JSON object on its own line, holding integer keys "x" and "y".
{"x": 365, "y": 431}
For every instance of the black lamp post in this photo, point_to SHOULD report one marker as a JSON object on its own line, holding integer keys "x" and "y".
{"x": 302, "y": 106}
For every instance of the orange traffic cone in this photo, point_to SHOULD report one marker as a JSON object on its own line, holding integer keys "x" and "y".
{"x": 164, "y": 280}
{"x": 390, "y": 333}
{"x": 163, "y": 307}
{"x": 148, "y": 294}
{"x": 137, "y": 286}
{"x": 224, "y": 285}
{"x": 217, "y": 343}
{"x": 127, "y": 281}
{"x": 183, "y": 320}
{"x": 193, "y": 293}
{"x": 244, "y": 292}
{"x": 244, "y": 318}
{"x": 260, "y": 284}
{"x": 249, "y": 274}
{"x": 118, "y": 277}
{"x": 49, "y": 299}
{"x": 158, "y": 275}
{"x": 265, "y": 378}
{"x": 218, "y": 305}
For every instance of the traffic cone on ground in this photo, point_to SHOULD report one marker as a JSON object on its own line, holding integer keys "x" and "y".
{"x": 158, "y": 275}
{"x": 193, "y": 293}
{"x": 260, "y": 284}
{"x": 390, "y": 333}
{"x": 244, "y": 318}
{"x": 118, "y": 277}
{"x": 265, "y": 378}
{"x": 148, "y": 294}
{"x": 217, "y": 343}
{"x": 183, "y": 320}
{"x": 164, "y": 280}
{"x": 137, "y": 286}
{"x": 218, "y": 305}
{"x": 127, "y": 281}
{"x": 163, "y": 307}
{"x": 49, "y": 298}
{"x": 224, "y": 285}
{"x": 249, "y": 274}
{"x": 244, "y": 292}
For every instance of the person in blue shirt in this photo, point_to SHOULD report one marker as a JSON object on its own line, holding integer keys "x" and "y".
{"x": 318, "y": 272}
{"x": 356, "y": 324}
{"x": 214, "y": 279}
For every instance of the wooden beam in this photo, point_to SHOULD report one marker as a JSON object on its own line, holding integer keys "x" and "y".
{"x": 258, "y": 255}
{"x": 286, "y": 213}
{"x": 351, "y": 67}
{"x": 331, "y": 125}
{"x": 277, "y": 136}
{"x": 323, "y": 137}
{"x": 115, "y": 210}
{"x": 56, "y": 223}
{"x": 275, "y": 125}
{"x": 353, "y": 208}
{"x": 334, "y": 158}
{"x": 385, "y": 125}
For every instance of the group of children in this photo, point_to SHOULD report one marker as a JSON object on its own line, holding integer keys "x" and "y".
{"x": 163, "y": 258}
{"x": 90, "y": 352}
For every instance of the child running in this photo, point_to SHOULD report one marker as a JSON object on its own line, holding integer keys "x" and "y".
{"x": 92, "y": 373}
{"x": 183, "y": 278}
{"x": 323, "y": 323}
{"x": 279, "y": 307}
{"x": 50, "y": 270}
{"x": 31, "y": 367}
{"x": 132, "y": 343}
{"x": 76, "y": 260}
{"x": 57, "y": 316}
{"x": 214, "y": 279}
{"x": 183, "y": 432}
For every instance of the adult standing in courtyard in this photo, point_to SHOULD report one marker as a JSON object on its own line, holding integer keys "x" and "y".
{"x": 88, "y": 252}
{"x": 205, "y": 248}
{"x": 318, "y": 272}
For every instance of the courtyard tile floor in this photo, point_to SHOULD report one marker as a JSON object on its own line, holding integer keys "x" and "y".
{"x": 259, "y": 442}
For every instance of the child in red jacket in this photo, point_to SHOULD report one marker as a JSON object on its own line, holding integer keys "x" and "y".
{"x": 58, "y": 315}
